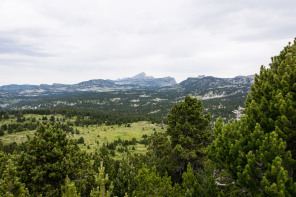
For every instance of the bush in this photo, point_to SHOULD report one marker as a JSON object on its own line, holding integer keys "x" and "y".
{"x": 80, "y": 140}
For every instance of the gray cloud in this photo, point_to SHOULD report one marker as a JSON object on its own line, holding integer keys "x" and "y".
{"x": 13, "y": 45}
{"x": 57, "y": 41}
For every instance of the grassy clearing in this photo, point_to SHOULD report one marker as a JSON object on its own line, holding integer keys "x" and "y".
{"x": 20, "y": 137}
{"x": 16, "y": 137}
{"x": 95, "y": 136}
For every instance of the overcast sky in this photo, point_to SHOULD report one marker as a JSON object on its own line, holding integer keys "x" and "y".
{"x": 69, "y": 41}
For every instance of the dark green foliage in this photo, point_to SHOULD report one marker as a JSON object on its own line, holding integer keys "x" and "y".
{"x": 52, "y": 119}
{"x": 160, "y": 152}
{"x": 188, "y": 129}
{"x": 190, "y": 184}
{"x": 12, "y": 147}
{"x": 10, "y": 184}
{"x": 4, "y": 127}
{"x": 80, "y": 140}
{"x": 207, "y": 180}
{"x": 120, "y": 172}
{"x": 112, "y": 153}
{"x": 3, "y": 160}
{"x": 259, "y": 152}
{"x": 48, "y": 158}
{"x": 5, "y": 115}
{"x": 202, "y": 184}
{"x": 15, "y": 127}
{"x": 77, "y": 131}
{"x": 123, "y": 178}
{"x": 149, "y": 183}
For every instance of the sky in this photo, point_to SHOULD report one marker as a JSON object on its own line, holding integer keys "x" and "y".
{"x": 69, "y": 41}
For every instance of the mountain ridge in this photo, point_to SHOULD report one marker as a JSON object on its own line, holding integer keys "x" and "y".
{"x": 200, "y": 86}
{"x": 139, "y": 81}
{"x": 128, "y": 80}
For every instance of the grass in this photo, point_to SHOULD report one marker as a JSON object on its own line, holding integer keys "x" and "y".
{"x": 94, "y": 136}
{"x": 16, "y": 137}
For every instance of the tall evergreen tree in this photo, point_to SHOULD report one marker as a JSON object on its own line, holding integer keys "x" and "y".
{"x": 188, "y": 129}
{"x": 260, "y": 150}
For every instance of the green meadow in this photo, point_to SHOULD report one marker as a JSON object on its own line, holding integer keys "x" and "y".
{"x": 94, "y": 136}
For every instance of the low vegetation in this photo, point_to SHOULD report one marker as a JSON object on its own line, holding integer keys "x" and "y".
{"x": 90, "y": 138}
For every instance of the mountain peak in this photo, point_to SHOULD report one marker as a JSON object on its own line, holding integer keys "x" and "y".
{"x": 141, "y": 75}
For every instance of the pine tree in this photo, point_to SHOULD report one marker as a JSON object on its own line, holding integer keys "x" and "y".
{"x": 188, "y": 129}
{"x": 10, "y": 184}
{"x": 259, "y": 152}
{"x": 123, "y": 179}
{"x": 48, "y": 158}
{"x": 102, "y": 180}
{"x": 190, "y": 184}
{"x": 202, "y": 184}
{"x": 69, "y": 189}
{"x": 149, "y": 183}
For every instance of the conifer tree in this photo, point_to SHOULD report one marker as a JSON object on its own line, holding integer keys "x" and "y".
{"x": 190, "y": 184}
{"x": 188, "y": 129}
{"x": 48, "y": 158}
{"x": 259, "y": 151}
{"x": 10, "y": 184}
{"x": 202, "y": 184}
{"x": 3, "y": 159}
{"x": 149, "y": 183}
{"x": 69, "y": 190}
{"x": 102, "y": 180}
{"x": 124, "y": 179}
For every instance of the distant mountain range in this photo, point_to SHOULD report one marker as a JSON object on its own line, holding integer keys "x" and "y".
{"x": 139, "y": 95}
{"x": 140, "y": 81}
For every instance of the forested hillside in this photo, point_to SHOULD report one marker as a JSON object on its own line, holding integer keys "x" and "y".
{"x": 221, "y": 96}
{"x": 84, "y": 145}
